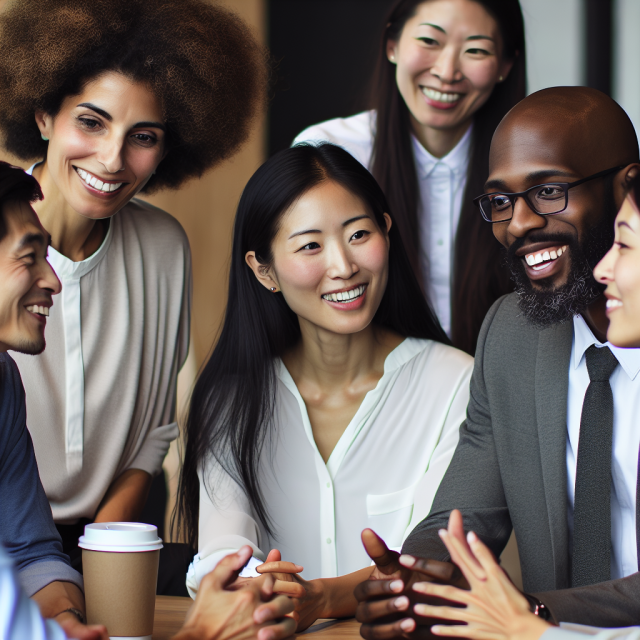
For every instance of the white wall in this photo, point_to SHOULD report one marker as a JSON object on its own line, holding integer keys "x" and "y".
{"x": 555, "y": 48}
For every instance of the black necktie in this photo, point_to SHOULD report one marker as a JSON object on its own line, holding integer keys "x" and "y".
{"x": 592, "y": 505}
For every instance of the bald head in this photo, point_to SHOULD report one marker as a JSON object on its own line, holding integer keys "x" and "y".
{"x": 577, "y": 127}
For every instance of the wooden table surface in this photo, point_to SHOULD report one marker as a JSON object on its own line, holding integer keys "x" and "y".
{"x": 171, "y": 612}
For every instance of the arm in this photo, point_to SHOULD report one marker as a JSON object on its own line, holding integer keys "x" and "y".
{"x": 125, "y": 498}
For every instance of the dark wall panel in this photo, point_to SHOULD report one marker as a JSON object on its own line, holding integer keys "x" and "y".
{"x": 325, "y": 52}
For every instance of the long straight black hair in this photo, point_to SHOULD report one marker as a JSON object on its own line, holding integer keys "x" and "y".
{"x": 479, "y": 278}
{"x": 232, "y": 403}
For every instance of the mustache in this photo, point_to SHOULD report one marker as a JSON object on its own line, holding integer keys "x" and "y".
{"x": 539, "y": 236}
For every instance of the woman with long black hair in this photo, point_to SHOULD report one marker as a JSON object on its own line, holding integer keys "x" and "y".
{"x": 448, "y": 71}
{"x": 332, "y": 399}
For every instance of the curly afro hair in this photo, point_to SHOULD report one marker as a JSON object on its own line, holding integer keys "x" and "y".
{"x": 201, "y": 60}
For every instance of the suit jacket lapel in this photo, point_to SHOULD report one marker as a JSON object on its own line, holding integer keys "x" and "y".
{"x": 552, "y": 388}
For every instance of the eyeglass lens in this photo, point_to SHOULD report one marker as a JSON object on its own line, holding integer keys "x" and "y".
{"x": 545, "y": 199}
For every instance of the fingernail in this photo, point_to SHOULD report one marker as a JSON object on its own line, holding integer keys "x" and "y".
{"x": 443, "y": 533}
{"x": 396, "y": 585}
{"x": 401, "y": 603}
{"x": 472, "y": 537}
{"x": 260, "y": 616}
{"x": 407, "y": 625}
{"x": 406, "y": 560}
{"x": 421, "y": 609}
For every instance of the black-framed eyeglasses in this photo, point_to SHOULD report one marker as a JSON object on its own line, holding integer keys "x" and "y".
{"x": 544, "y": 199}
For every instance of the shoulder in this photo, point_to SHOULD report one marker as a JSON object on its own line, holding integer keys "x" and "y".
{"x": 12, "y": 402}
{"x": 355, "y": 134}
{"x": 152, "y": 226}
{"x": 439, "y": 361}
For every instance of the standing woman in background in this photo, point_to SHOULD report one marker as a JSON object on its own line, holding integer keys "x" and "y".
{"x": 448, "y": 71}
{"x": 114, "y": 98}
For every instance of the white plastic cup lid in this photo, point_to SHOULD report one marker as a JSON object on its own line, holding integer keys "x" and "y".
{"x": 120, "y": 537}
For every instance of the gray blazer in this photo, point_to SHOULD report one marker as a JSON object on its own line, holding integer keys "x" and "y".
{"x": 509, "y": 469}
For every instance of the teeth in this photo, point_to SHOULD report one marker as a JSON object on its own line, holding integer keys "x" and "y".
{"x": 345, "y": 296}
{"x": 43, "y": 311}
{"x": 545, "y": 256}
{"x": 439, "y": 96}
{"x": 91, "y": 180}
{"x": 612, "y": 303}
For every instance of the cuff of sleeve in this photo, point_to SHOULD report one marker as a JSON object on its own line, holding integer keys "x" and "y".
{"x": 38, "y": 575}
{"x": 154, "y": 449}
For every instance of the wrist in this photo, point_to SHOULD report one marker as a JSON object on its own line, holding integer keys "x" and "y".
{"x": 323, "y": 597}
{"x": 71, "y": 614}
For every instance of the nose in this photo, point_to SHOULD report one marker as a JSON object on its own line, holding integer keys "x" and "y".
{"x": 524, "y": 219}
{"x": 603, "y": 272}
{"x": 111, "y": 154}
{"x": 340, "y": 263}
{"x": 446, "y": 67}
{"x": 48, "y": 280}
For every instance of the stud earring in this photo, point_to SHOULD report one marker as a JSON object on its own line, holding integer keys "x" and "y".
{"x": 500, "y": 79}
{"x": 44, "y": 137}
{"x": 272, "y": 289}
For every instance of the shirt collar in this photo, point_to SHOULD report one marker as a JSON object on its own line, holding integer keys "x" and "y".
{"x": 68, "y": 269}
{"x": 583, "y": 338}
{"x": 456, "y": 160}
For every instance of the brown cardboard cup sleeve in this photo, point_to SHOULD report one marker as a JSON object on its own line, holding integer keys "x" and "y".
{"x": 120, "y": 567}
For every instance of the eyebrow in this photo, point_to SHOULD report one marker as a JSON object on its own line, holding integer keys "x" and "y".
{"x": 622, "y": 223}
{"x": 344, "y": 224}
{"x": 435, "y": 26}
{"x": 109, "y": 117}
{"x": 33, "y": 238}
{"x": 536, "y": 177}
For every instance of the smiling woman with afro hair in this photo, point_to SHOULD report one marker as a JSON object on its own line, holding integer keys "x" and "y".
{"x": 111, "y": 98}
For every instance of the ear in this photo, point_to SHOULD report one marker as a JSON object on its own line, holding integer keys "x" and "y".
{"x": 504, "y": 68}
{"x": 387, "y": 219}
{"x": 264, "y": 274}
{"x": 45, "y": 123}
{"x": 392, "y": 48}
{"x": 623, "y": 181}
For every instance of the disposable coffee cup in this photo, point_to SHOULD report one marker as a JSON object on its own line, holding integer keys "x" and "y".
{"x": 120, "y": 567}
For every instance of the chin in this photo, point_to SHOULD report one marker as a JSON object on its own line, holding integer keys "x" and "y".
{"x": 621, "y": 336}
{"x": 29, "y": 347}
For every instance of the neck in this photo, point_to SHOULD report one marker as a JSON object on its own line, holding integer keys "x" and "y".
{"x": 73, "y": 235}
{"x": 439, "y": 142}
{"x": 596, "y": 318}
{"x": 336, "y": 360}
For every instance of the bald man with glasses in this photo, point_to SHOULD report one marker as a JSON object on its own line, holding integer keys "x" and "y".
{"x": 550, "y": 444}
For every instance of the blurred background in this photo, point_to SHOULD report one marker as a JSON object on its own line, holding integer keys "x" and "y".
{"x": 324, "y": 52}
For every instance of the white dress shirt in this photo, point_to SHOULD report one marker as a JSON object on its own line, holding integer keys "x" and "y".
{"x": 383, "y": 473}
{"x": 625, "y": 384}
{"x": 442, "y": 182}
{"x": 20, "y": 617}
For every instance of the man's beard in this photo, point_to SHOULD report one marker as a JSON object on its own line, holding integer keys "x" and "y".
{"x": 29, "y": 347}
{"x": 545, "y": 305}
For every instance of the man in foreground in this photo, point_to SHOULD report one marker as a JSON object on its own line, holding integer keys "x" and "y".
{"x": 543, "y": 376}
{"x": 29, "y": 540}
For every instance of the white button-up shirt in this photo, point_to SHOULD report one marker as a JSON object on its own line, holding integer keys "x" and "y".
{"x": 441, "y": 181}
{"x": 383, "y": 473}
{"x": 625, "y": 384}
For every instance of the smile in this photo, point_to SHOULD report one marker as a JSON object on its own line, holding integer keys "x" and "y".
{"x": 542, "y": 259}
{"x": 613, "y": 303}
{"x": 39, "y": 310}
{"x": 438, "y": 96}
{"x": 95, "y": 182}
{"x": 345, "y": 296}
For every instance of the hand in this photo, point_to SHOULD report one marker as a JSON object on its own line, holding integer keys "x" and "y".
{"x": 245, "y": 613}
{"x": 384, "y": 601}
{"x": 307, "y": 595}
{"x": 73, "y": 628}
{"x": 495, "y": 609}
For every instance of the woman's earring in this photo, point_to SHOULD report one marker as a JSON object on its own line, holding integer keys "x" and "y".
{"x": 44, "y": 137}
{"x": 272, "y": 289}
{"x": 500, "y": 79}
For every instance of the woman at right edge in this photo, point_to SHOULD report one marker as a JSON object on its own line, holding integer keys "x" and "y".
{"x": 448, "y": 71}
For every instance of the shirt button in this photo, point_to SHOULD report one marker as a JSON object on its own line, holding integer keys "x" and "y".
{"x": 328, "y": 540}
{"x": 328, "y": 485}
{"x": 440, "y": 243}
